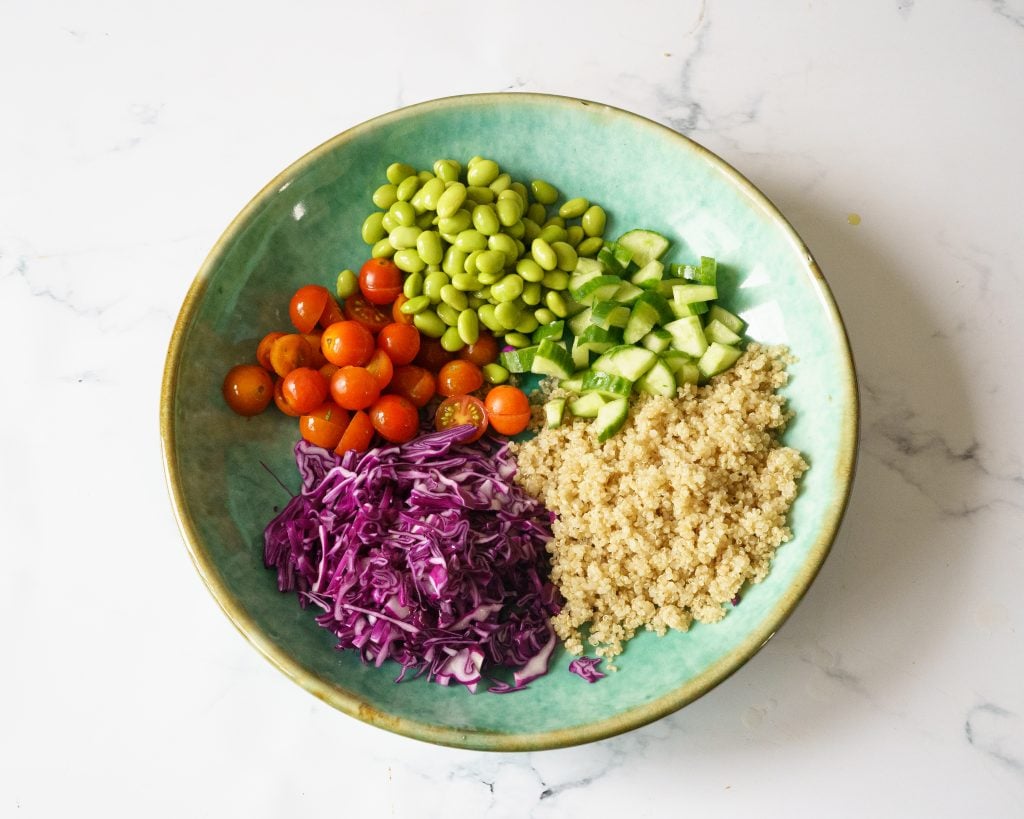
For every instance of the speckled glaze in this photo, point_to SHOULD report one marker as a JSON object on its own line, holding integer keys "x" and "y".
{"x": 304, "y": 227}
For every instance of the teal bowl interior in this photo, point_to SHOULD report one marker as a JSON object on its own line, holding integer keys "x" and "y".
{"x": 304, "y": 227}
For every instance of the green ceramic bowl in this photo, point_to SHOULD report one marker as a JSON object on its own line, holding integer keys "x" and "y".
{"x": 304, "y": 227}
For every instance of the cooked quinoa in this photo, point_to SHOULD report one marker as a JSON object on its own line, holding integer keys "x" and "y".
{"x": 662, "y": 523}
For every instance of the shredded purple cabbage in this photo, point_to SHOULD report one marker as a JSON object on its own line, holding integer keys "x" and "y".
{"x": 426, "y": 554}
{"x": 586, "y": 668}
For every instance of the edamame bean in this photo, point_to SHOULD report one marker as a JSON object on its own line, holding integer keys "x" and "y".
{"x": 454, "y": 259}
{"x": 417, "y": 202}
{"x": 484, "y": 293}
{"x": 509, "y": 288}
{"x": 510, "y": 211}
{"x": 398, "y": 171}
{"x": 473, "y": 160}
{"x": 348, "y": 283}
{"x": 544, "y": 316}
{"x": 573, "y": 208}
{"x": 373, "y": 229}
{"x": 543, "y": 254}
{"x": 451, "y": 200}
{"x": 417, "y": 304}
{"x": 413, "y": 285}
{"x": 382, "y": 250}
{"x": 501, "y": 183}
{"x": 409, "y": 261}
{"x": 494, "y": 373}
{"x": 556, "y": 304}
{"x": 428, "y": 245}
{"x": 487, "y": 279}
{"x": 531, "y": 230}
{"x": 404, "y": 237}
{"x": 520, "y": 188}
{"x": 456, "y": 223}
{"x": 449, "y": 315}
{"x": 503, "y": 243}
{"x": 407, "y": 188}
{"x": 527, "y": 323}
{"x": 556, "y": 280}
{"x": 529, "y": 270}
{"x": 452, "y": 341}
{"x": 517, "y": 340}
{"x": 432, "y": 192}
{"x": 531, "y": 295}
{"x": 432, "y": 285}
{"x": 574, "y": 235}
{"x": 403, "y": 213}
{"x": 469, "y": 240}
{"x": 455, "y": 297}
{"x": 486, "y": 220}
{"x": 470, "y": 264}
{"x": 490, "y": 262}
{"x": 483, "y": 172}
{"x": 507, "y": 314}
{"x": 565, "y": 254}
{"x": 469, "y": 326}
{"x": 425, "y": 220}
{"x": 480, "y": 195}
{"x": 475, "y": 302}
{"x": 594, "y": 221}
{"x": 465, "y": 282}
{"x": 552, "y": 233}
{"x": 544, "y": 192}
{"x": 447, "y": 170}
{"x": 385, "y": 196}
{"x": 425, "y": 177}
{"x": 388, "y": 222}
{"x": 428, "y": 323}
{"x": 537, "y": 213}
{"x": 517, "y": 230}
{"x": 488, "y": 319}
{"x": 589, "y": 247}
{"x": 558, "y": 221}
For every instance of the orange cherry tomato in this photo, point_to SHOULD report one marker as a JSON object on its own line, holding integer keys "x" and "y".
{"x": 325, "y": 425}
{"x": 279, "y": 399}
{"x": 247, "y": 389}
{"x": 396, "y": 310}
{"x": 395, "y": 418}
{"x": 304, "y": 389}
{"x": 347, "y": 343}
{"x": 359, "y": 309}
{"x": 508, "y": 409}
{"x": 380, "y": 281}
{"x": 381, "y": 368}
{"x": 328, "y": 370}
{"x": 459, "y": 410}
{"x": 315, "y": 343}
{"x": 263, "y": 350}
{"x": 307, "y": 305}
{"x": 432, "y": 355}
{"x": 483, "y": 352}
{"x": 358, "y": 434}
{"x": 459, "y": 378}
{"x": 288, "y": 352}
{"x": 354, "y": 388}
{"x": 400, "y": 341}
{"x": 414, "y": 383}
{"x": 332, "y": 313}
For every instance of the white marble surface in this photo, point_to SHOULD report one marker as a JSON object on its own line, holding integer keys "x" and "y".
{"x": 133, "y": 132}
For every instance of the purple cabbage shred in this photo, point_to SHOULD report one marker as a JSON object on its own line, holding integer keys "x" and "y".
{"x": 586, "y": 668}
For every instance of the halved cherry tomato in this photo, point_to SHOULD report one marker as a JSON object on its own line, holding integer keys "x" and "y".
{"x": 381, "y": 368}
{"x": 358, "y": 434}
{"x": 263, "y": 350}
{"x": 396, "y": 310}
{"x": 395, "y": 418}
{"x": 400, "y": 341}
{"x": 432, "y": 355}
{"x": 247, "y": 389}
{"x": 414, "y": 383}
{"x": 325, "y": 425}
{"x": 483, "y": 352}
{"x": 508, "y": 409}
{"x": 332, "y": 313}
{"x": 307, "y": 305}
{"x": 459, "y": 410}
{"x": 347, "y": 343}
{"x": 459, "y": 378}
{"x": 380, "y": 281}
{"x": 354, "y": 388}
{"x": 304, "y": 389}
{"x": 281, "y": 403}
{"x": 288, "y": 352}
{"x": 328, "y": 370}
{"x": 359, "y": 309}
{"x": 315, "y": 341}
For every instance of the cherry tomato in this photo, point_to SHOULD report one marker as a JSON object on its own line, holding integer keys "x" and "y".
{"x": 459, "y": 378}
{"x": 395, "y": 418}
{"x": 332, "y": 313}
{"x": 354, "y": 388}
{"x": 508, "y": 409}
{"x": 328, "y": 370}
{"x": 459, "y": 410}
{"x": 396, "y": 310}
{"x": 483, "y": 352}
{"x": 280, "y": 401}
{"x": 380, "y": 280}
{"x": 307, "y": 306}
{"x": 347, "y": 343}
{"x": 381, "y": 368}
{"x": 358, "y": 434}
{"x": 304, "y": 389}
{"x": 400, "y": 341}
{"x": 359, "y": 309}
{"x": 247, "y": 389}
{"x": 325, "y": 425}
{"x": 263, "y": 350}
{"x": 315, "y": 341}
{"x": 432, "y": 355}
{"x": 288, "y": 352}
{"x": 414, "y": 383}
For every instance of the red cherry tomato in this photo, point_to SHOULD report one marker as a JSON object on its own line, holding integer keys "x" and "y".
{"x": 263, "y": 350}
{"x": 508, "y": 409}
{"x": 380, "y": 281}
{"x": 358, "y": 434}
{"x": 347, "y": 343}
{"x": 325, "y": 425}
{"x": 414, "y": 383}
{"x": 281, "y": 403}
{"x": 395, "y": 418}
{"x": 381, "y": 368}
{"x": 307, "y": 306}
{"x": 432, "y": 355}
{"x": 332, "y": 313}
{"x": 359, "y": 309}
{"x": 304, "y": 389}
{"x": 315, "y": 341}
{"x": 288, "y": 352}
{"x": 328, "y": 370}
{"x": 396, "y": 310}
{"x": 354, "y": 388}
{"x": 483, "y": 352}
{"x": 400, "y": 341}
{"x": 459, "y": 378}
{"x": 459, "y": 410}
{"x": 247, "y": 389}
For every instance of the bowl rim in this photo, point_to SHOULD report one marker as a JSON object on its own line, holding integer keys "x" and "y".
{"x": 353, "y": 704}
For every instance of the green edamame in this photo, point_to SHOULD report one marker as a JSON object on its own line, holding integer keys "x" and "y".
{"x": 486, "y": 220}
{"x": 531, "y": 294}
{"x": 529, "y": 270}
{"x": 404, "y": 237}
{"x": 432, "y": 285}
{"x": 425, "y": 177}
{"x": 469, "y": 266}
{"x": 478, "y": 195}
{"x": 507, "y": 314}
{"x": 589, "y": 247}
{"x": 537, "y": 213}
{"x": 553, "y": 233}
{"x": 451, "y": 200}
{"x": 483, "y": 172}
{"x": 399, "y": 171}
{"x": 428, "y": 323}
{"x": 373, "y": 229}
{"x": 409, "y": 261}
{"x": 488, "y": 318}
{"x": 448, "y": 314}
{"x": 407, "y": 188}
{"x": 455, "y": 297}
{"x": 556, "y": 280}
{"x": 573, "y": 208}
{"x": 451, "y": 340}
{"x": 446, "y": 171}
{"x": 531, "y": 230}
{"x": 544, "y": 316}
{"x": 413, "y": 285}
{"x": 426, "y": 220}
{"x": 501, "y": 183}
{"x": 469, "y": 326}
{"x": 543, "y": 254}
{"x": 465, "y": 282}
{"x": 566, "y": 255}
{"x": 494, "y": 373}
{"x": 348, "y": 283}
{"x": 527, "y": 323}
{"x": 456, "y": 223}
{"x": 509, "y": 288}
{"x": 556, "y": 304}
{"x": 403, "y": 213}
{"x": 385, "y": 196}
{"x": 382, "y": 250}
{"x": 487, "y": 279}
{"x": 557, "y": 221}
{"x": 518, "y": 340}
{"x": 504, "y": 243}
{"x": 509, "y": 211}
{"x": 574, "y": 235}
{"x": 475, "y": 302}
{"x": 517, "y": 230}
{"x": 388, "y": 222}
{"x": 594, "y": 221}
{"x": 417, "y": 304}
{"x": 428, "y": 245}
{"x": 432, "y": 192}
{"x": 454, "y": 260}
{"x": 490, "y": 262}
{"x": 544, "y": 192}
{"x": 469, "y": 240}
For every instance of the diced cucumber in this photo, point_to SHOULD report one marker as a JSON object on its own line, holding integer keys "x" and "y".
{"x": 580, "y": 355}
{"x": 642, "y": 320}
{"x": 734, "y": 323}
{"x": 584, "y": 273}
{"x": 599, "y": 340}
{"x": 683, "y": 271}
{"x": 714, "y": 330}
{"x": 554, "y": 411}
{"x": 587, "y": 406}
{"x": 659, "y": 380}
{"x": 610, "y": 418}
{"x": 688, "y": 374}
{"x": 717, "y": 359}
{"x": 518, "y": 361}
{"x": 607, "y": 384}
{"x": 612, "y": 263}
{"x": 552, "y": 358}
{"x": 608, "y": 314}
{"x": 574, "y": 384}
{"x": 665, "y": 286}
{"x": 688, "y": 336}
{"x": 628, "y": 362}
{"x": 658, "y": 340}
{"x": 707, "y": 273}
{"x": 690, "y": 293}
{"x": 553, "y": 331}
{"x": 649, "y": 275}
{"x": 580, "y": 322}
{"x": 599, "y": 288}
{"x": 627, "y": 293}
{"x": 684, "y": 310}
{"x": 645, "y": 244}
{"x": 674, "y": 359}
